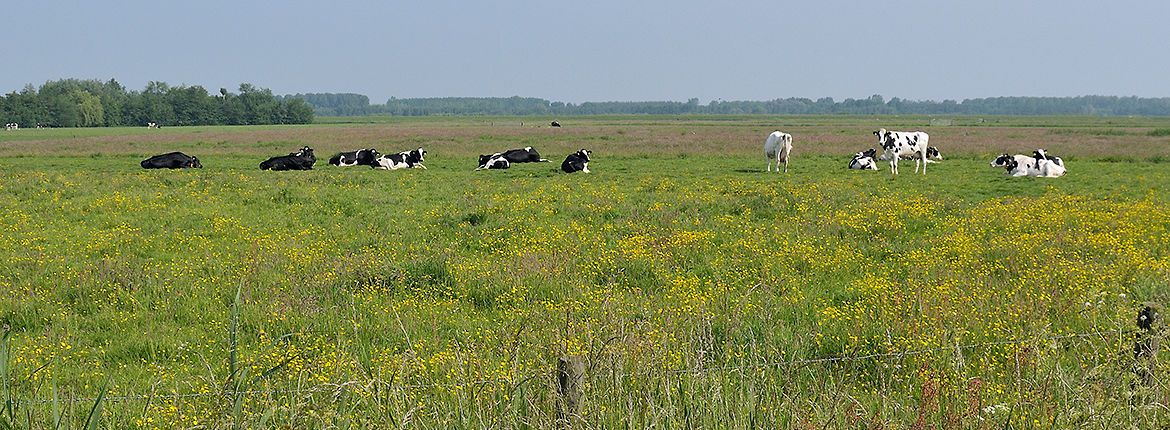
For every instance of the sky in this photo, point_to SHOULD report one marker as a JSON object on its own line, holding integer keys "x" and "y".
{"x": 600, "y": 50}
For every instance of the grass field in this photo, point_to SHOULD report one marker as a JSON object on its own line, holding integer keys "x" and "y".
{"x": 699, "y": 291}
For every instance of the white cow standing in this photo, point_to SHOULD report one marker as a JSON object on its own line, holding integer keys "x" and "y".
{"x": 901, "y": 143}
{"x": 778, "y": 147}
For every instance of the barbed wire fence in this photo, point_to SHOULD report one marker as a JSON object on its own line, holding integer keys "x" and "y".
{"x": 337, "y": 388}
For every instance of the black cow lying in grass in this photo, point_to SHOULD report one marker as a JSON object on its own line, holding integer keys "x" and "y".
{"x": 300, "y": 160}
{"x": 525, "y": 155}
{"x": 576, "y": 162}
{"x": 171, "y": 160}
{"x": 361, "y": 157}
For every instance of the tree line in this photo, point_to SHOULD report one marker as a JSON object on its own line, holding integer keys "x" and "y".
{"x": 356, "y": 104}
{"x": 95, "y": 103}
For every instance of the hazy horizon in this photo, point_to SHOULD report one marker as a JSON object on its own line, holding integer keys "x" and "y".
{"x": 602, "y": 51}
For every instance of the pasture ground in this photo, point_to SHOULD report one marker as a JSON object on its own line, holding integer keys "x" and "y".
{"x": 698, "y": 290}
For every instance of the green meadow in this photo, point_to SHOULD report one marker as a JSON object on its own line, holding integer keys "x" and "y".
{"x": 696, "y": 290}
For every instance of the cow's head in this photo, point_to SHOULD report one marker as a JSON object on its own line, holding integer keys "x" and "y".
{"x": 885, "y": 138}
{"x": 1002, "y": 160}
{"x": 420, "y": 153}
{"x": 483, "y": 160}
{"x": 306, "y": 152}
{"x": 194, "y": 163}
{"x": 871, "y": 153}
{"x": 932, "y": 152}
{"x": 584, "y": 153}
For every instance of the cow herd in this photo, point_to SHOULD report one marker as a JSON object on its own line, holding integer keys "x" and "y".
{"x": 304, "y": 159}
{"x": 914, "y": 145}
{"x": 895, "y": 145}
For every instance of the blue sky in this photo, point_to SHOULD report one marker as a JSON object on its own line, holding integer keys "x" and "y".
{"x": 601, "y": 50}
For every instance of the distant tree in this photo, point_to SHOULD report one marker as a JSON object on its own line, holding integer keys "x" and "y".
{"x": 89, "y": 109}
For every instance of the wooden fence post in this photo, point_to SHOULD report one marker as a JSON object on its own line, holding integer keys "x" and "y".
{"x": 570, "y": 385}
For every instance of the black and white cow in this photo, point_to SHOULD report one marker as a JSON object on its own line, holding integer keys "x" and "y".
{"x": 1046, "y": 168}
{"x": 554, "y": 124}
{"x": 576, "y": 162}
{"x": 11, "y": 126}
{"x": 520, "y": 155}
{"x": 1041, "y": 154}
{"x": 864, "y": 160}
{"x": 171, "y": 160}
{"x": 300, "y": 160}
{"x": 152, "y": 125}
{"x": 494, "y": 161}
{"x": 402, "y": 160}
{"x": 361, "y": 157}
{"x": 895, "y": 144}
{"x": 1016, "y": 165}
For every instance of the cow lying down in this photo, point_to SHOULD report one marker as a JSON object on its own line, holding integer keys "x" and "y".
{"x": 171, "y": 160}
{"x": 520, "y": 155}
{"x": 300, "y": 160}
{"x": 361, "y": 157}
{"x": 576, "y": 162}
{"x": 1023, "y": 165}
{"x": 403, "y": 160}
{"x": 864, "y": 160}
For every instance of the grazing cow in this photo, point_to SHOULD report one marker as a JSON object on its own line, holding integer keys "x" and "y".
{"x": 402, "y": 160}
{"x": 778, "y": 146}
{"x": 11, "y": 126}
{"x": 300, "y": 160}
{"x": 864, "y": 160}
{"x": 151, "y": 125}
{"x": 896, "y": 144}
{"x": 171, "y": 160}
{"x": 576, "y": 162}
{"x": 361, "y": 157}
{"x": 494, "y": 161}
{"x": 1041, "y": 154}
{"x": 525, "y": 155}
{"x": 554, "y": 124}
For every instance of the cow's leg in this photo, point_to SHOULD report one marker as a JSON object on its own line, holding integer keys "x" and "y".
{"x": 785, "y": 165}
